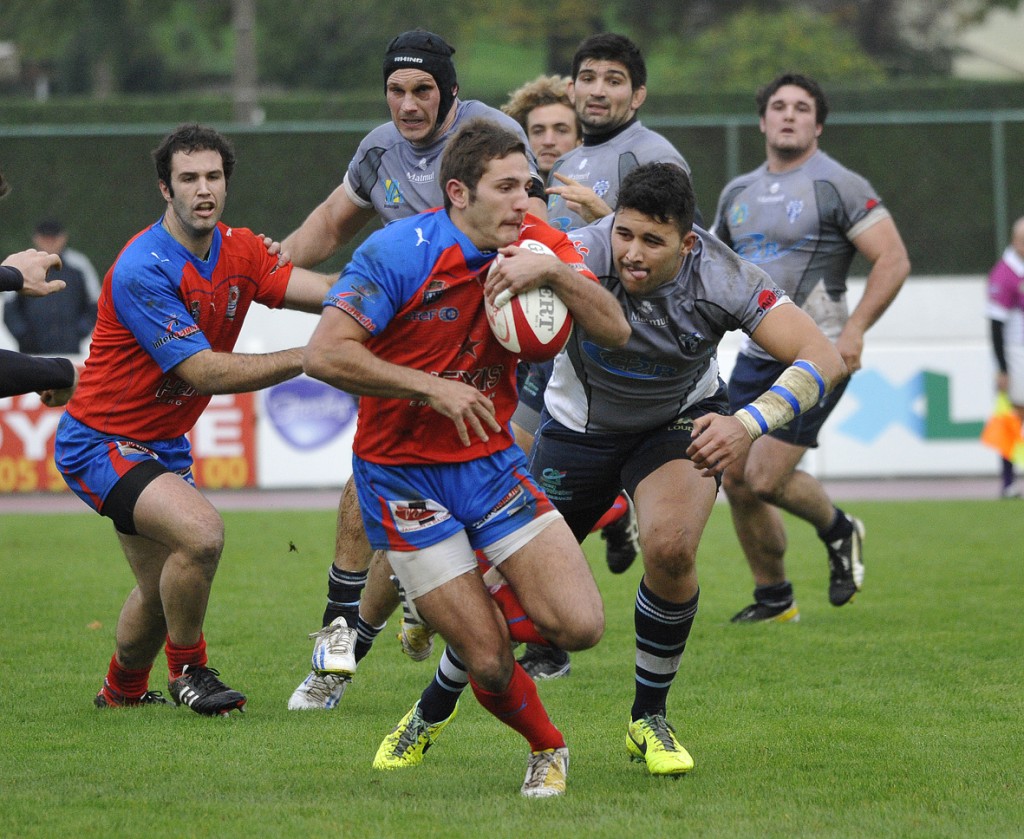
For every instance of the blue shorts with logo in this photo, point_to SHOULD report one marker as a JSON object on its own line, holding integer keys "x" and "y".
{"x": 410, "y": 507}
{"x": 582, "y": 473}
{"x": 753, "y": 376}
{"x": 93, "y": 463}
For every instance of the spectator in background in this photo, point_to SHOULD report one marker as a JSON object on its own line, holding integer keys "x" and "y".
{"x": 54, "y": 325}
{"x": 1006, "y": 316}
{"x": 53, "y": 378}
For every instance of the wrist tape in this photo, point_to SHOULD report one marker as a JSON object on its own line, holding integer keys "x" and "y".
{"x": 801, "y": 386}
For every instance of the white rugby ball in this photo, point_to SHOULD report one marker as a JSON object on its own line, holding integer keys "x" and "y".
{"x": 535, "y": 325}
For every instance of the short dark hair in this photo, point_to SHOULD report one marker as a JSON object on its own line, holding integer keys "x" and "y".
{"x": 609, "y": 46}
{"x": 189, "y": 137}
{"x": 471, "y": 148}
{"x": 662, "y": 191}
{"x": 49, "y": 227}
{"x": 806, "y": 82}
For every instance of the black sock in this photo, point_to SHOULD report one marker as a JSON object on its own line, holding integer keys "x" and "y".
{"x": 662, "y": 628}
{"x": 344, "y": 589}
{"x": 841, "y": 528}
{"x": 774, "y": 596}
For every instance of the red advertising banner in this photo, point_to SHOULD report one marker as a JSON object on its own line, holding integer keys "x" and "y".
{"x": 223, "y": 444}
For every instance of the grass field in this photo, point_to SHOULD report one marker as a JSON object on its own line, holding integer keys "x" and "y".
{"x": 900, "y": 715}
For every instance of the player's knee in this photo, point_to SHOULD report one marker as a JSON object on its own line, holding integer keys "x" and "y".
{"x": 492, "y": 672}
{"x": 205, "y": 542}
{"x": 670, "y": 556}
{"x": 579, "y": 632}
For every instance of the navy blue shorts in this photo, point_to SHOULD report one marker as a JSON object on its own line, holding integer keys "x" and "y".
{"x": 751, "y": 377}
{"x": 582, "y": 473}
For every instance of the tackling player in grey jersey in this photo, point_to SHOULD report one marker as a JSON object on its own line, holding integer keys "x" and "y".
{"x": 653, "y": 416}
{"x": 671, "y": 361}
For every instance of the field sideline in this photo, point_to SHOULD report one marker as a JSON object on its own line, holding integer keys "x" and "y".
{"x": 898, "y": 715}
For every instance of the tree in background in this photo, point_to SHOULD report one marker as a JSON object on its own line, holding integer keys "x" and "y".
{"x": 104, "y": 47}
{"x": 749, "y": 48}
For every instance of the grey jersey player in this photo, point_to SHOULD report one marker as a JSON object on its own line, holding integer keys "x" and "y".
{"x": 671, "y": 361}
{"x": 799, "y": 226}
{"x": 801, "y": 216}
{"x": 608, "y": 87}
{"x": 653, "y": 416}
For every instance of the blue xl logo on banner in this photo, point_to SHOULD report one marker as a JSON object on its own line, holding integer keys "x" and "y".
{"x": 308, "y": 413}
{"x": 881, "y": 404}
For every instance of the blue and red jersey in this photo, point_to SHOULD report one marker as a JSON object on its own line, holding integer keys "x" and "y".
{"x": 160, "y": 305}
{"x": 417, "y": 287}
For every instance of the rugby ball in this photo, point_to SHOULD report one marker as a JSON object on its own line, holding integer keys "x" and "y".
{"x": 534, "y": 325}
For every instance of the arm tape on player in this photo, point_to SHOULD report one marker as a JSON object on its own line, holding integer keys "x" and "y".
{"x": 801, "y": 386}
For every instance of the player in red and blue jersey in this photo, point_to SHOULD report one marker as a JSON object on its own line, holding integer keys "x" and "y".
{"x": 170, "y": 312}
{"x": 436, "y": 468}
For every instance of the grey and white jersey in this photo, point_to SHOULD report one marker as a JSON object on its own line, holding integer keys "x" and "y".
{"x": 399, "y": 179}
{"x": 602, "y": 166}
{"x": 799, "y": 226}
{"x": 671, "y": 359}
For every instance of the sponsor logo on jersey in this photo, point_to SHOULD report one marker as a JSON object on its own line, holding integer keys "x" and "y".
{"x": 176, "y": 335}
{"x": 411, "y": 516}
{"x": 601, "y": 187}
{"x": 628, "y": 365}
{"x": 446, "y": 314}
{"x": 738, "y": 214}
{"x": 758, "y": 248}
{"x": 690, "y": 343}
{"x": 645, "y": 312}
{"x": 581, "y": 249}
{"x": 420, "y": 178}
{"x": 484, "y": 379}
{"x": 767, "y": 298}
{"x": 174, "y": 391}
{"x": 420, "y": 238}
{"x": 793, "y": 210}
{"x": 469, "y": 347}
{"x": 392, "y": 193}
{"x": 194, "y": 309}
{"x": 774, "y": 196}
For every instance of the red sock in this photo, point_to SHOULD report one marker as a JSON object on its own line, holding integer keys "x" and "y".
{"x": 520, "y": 627}
{"x": 178, "y": 657}
{"x": 615, "y": 512}
{"x": 520, "y": 708}
{"x": 120, "y": 681}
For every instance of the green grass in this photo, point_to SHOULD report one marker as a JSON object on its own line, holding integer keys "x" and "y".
{"x": 897, "y": 716}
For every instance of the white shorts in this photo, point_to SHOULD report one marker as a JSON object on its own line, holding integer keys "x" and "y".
{"x": 431, "y": 567}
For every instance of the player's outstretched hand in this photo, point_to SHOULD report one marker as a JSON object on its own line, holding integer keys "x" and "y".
{"x": 718, "y": 442}
{"x": 465, "y": 406}
{"x": 34, "y": 266}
